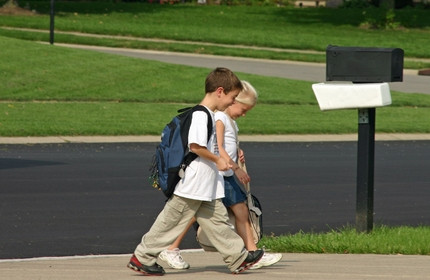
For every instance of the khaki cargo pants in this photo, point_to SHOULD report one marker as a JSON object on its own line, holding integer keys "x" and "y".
{"x": 171, "y": 222}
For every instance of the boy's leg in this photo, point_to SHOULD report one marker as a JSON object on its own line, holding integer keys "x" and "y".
{"x": 213, "y": 218}
{"x": 170, "y": 223}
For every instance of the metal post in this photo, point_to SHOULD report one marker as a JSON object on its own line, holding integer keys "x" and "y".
{"x": 51, "y": 25}
{"x": 365, "y": 169}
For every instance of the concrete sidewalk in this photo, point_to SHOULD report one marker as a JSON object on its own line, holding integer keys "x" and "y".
{"x": 242, "y": 138}
{"x": 205, "y": 265}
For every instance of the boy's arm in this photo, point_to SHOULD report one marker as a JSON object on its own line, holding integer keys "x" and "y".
{"x": 220, "y": 130}
{"x": 203, "y": 152}
{"x": 240, "y": 173}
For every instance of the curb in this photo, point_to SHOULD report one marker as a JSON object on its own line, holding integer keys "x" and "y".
{"x": 242, "y": 138}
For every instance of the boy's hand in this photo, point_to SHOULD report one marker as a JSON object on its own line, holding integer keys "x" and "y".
{"x": 222, "y": 164}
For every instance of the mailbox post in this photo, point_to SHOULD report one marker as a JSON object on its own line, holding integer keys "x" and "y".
{"x": 365, "y": 169}
{"x": 357, "y": 79}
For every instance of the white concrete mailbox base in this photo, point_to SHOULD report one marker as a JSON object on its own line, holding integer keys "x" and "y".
{"x": 335, "y": 95}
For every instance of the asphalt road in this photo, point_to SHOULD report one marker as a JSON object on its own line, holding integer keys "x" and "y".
{"x": 74, "y": 199}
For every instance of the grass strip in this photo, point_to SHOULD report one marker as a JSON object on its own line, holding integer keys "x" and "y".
{"x": 178, "y": 46}
{"x": 87, "y": 39}
{"x": 382, "y": 240}
{"x": 134, "y": 118}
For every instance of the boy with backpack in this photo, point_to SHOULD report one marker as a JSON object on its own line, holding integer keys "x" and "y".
{"x": 235, "y": 198}
{"x": 198, "y": 194}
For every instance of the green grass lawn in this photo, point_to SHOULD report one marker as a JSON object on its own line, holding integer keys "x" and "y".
{"x": 50, "y": 90}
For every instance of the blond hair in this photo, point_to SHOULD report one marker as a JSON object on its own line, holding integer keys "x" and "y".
{"x": 248, "y": 95}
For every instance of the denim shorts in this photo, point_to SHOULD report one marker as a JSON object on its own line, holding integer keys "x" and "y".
{"x": 233, "y": 192}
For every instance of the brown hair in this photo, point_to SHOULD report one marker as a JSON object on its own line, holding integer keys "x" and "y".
{"x": 222, "y": 77}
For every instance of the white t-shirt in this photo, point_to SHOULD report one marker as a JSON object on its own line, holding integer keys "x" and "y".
{"x": 230, "y": 141}
{"x": 202, "y": 180}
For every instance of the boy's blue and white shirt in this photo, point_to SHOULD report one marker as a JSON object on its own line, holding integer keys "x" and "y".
{"x": 202, "y": 180}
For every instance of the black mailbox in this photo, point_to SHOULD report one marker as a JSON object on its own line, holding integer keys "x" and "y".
{"x": 364, "y": 65}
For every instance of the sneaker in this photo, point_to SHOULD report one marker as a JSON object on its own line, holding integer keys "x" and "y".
{"x": 153, "y": 270}
{"x": 252, "y": 258}
{"x": 266, "y": 260}
{"x": 174, "y": 259}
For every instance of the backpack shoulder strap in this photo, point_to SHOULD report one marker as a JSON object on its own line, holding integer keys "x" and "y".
{"x": 209, "y": 125}
{"x": 189, "y": 157}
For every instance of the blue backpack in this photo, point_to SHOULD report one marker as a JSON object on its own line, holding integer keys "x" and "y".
{"x": 172, "y": 155}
